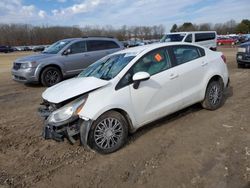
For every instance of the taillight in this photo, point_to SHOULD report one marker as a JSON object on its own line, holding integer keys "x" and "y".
{"x": 224, "y": 58}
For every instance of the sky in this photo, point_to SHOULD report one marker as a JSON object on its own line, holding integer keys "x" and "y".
{"x": 122, "y": 12}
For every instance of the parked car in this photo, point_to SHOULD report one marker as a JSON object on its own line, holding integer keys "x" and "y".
{"x": 6, "y": 49}
{"x": 38, "y": 48}
{"x": 131, "y": 88}
{"x": 243, "y": 55}
{"x": 65, "y": 58}
{"x": 226, "y": 41}
{"x": 203, "y": 38}
{"x": 27, "y": 48}
{"x": 243, "y": 39}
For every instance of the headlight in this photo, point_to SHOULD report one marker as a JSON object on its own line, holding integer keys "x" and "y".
{"x": 27, "y": 65}
{"x": 243, "y": 50}
{"x": 68, "y": 112}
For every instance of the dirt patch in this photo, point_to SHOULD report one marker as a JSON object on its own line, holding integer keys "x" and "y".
{"x": 192, "y": 148}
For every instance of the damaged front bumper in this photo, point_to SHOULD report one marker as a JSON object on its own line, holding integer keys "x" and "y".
{"x": 59, "y": 132}
{"x": 71, "y": 130}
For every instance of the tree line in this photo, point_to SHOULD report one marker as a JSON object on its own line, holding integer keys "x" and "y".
{"x": 229, "y": 27}
{"x": 22, "y": 34}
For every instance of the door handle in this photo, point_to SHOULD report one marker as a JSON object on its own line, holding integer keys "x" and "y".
{"x": 204, "y": 63}
{"x": 173, "y": 76}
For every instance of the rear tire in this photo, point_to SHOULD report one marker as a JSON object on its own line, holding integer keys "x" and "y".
{"x": 108, "y": 133}
{"x": 214, "y": 95}
{"x": 51, "y": 76}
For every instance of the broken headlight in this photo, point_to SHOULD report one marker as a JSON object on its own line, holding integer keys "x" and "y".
{"x": 68, "y": 112}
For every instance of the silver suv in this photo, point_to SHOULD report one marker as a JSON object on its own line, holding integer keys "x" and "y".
{"x": 65, "y": 58}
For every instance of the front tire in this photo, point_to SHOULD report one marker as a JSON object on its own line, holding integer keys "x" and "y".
{"x": 51, "y": 76}
{"x": 214, "y": 95}
{"x": 108, "y": 133}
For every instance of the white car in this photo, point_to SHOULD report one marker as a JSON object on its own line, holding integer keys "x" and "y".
{"x": 131, "y": 88}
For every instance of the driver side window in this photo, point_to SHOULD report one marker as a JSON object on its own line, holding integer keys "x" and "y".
{"x": 78, "y": 47}
{"x": 154, "y": 62}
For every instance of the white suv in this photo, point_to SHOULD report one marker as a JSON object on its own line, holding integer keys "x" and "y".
{"x": 128, "y": 89}
{"x": 207, "y": 39}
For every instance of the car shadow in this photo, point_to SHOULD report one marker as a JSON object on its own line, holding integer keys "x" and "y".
{"x": 33, "y": 85}
{"x": 172, "y": 117}
{"x": 39, "y": 85}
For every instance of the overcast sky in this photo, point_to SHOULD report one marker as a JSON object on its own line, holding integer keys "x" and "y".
{"x": 122, "y": 12}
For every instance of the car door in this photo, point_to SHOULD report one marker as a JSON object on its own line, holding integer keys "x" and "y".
{"x": 76, "y": 59}
{"x": 191, "y": 65}
{"x": 158, "y": 96}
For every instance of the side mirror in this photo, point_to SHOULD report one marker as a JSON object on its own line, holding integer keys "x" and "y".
{"x": 67, "y": 52}
{"x": 139, "y": 77}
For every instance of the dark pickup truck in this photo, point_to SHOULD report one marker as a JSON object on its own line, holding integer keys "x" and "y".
{"x": 243, "y": 55}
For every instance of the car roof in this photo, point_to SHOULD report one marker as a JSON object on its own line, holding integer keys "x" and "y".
{"x": 88, "y": 38}
{"x": 138, "y": 49}
{"x": 187, "y": 32}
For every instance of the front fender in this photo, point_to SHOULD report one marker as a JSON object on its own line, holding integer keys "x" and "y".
{"x": 41, "y": 66}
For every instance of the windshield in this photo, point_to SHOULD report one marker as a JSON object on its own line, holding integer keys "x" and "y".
{"x": 56, "y": 47}
{"x": 107, "y": 67}
{"x": 173, "y": 37}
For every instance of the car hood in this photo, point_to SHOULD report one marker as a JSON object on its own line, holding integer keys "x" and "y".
{"x": 34, "y": 57}
{"x": 71, "y": 88}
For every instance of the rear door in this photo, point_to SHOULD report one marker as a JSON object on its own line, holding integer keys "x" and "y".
{"x": 191, "y": 65}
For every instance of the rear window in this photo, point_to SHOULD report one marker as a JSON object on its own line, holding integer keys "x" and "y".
{"x": 204, "y": 36}
{"x": 94, "y": 45}
{"x": 186, "y": 53}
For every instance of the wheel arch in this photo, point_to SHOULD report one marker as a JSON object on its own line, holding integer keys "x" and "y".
{"x": 215, "y": 77}
{"x": 131, "y": 129}
{"x": 46, "y": 66}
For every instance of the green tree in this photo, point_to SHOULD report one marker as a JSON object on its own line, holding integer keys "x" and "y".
{"x": 174, "y": 28}
{"x": 244, "y": 26}
{"x": 187, "y": 26}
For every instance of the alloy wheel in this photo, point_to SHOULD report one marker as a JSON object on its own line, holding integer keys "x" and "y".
{"x": 215, "y": 95}
{"x": 51, "y": 77}
{"x": 108, "y": 133}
